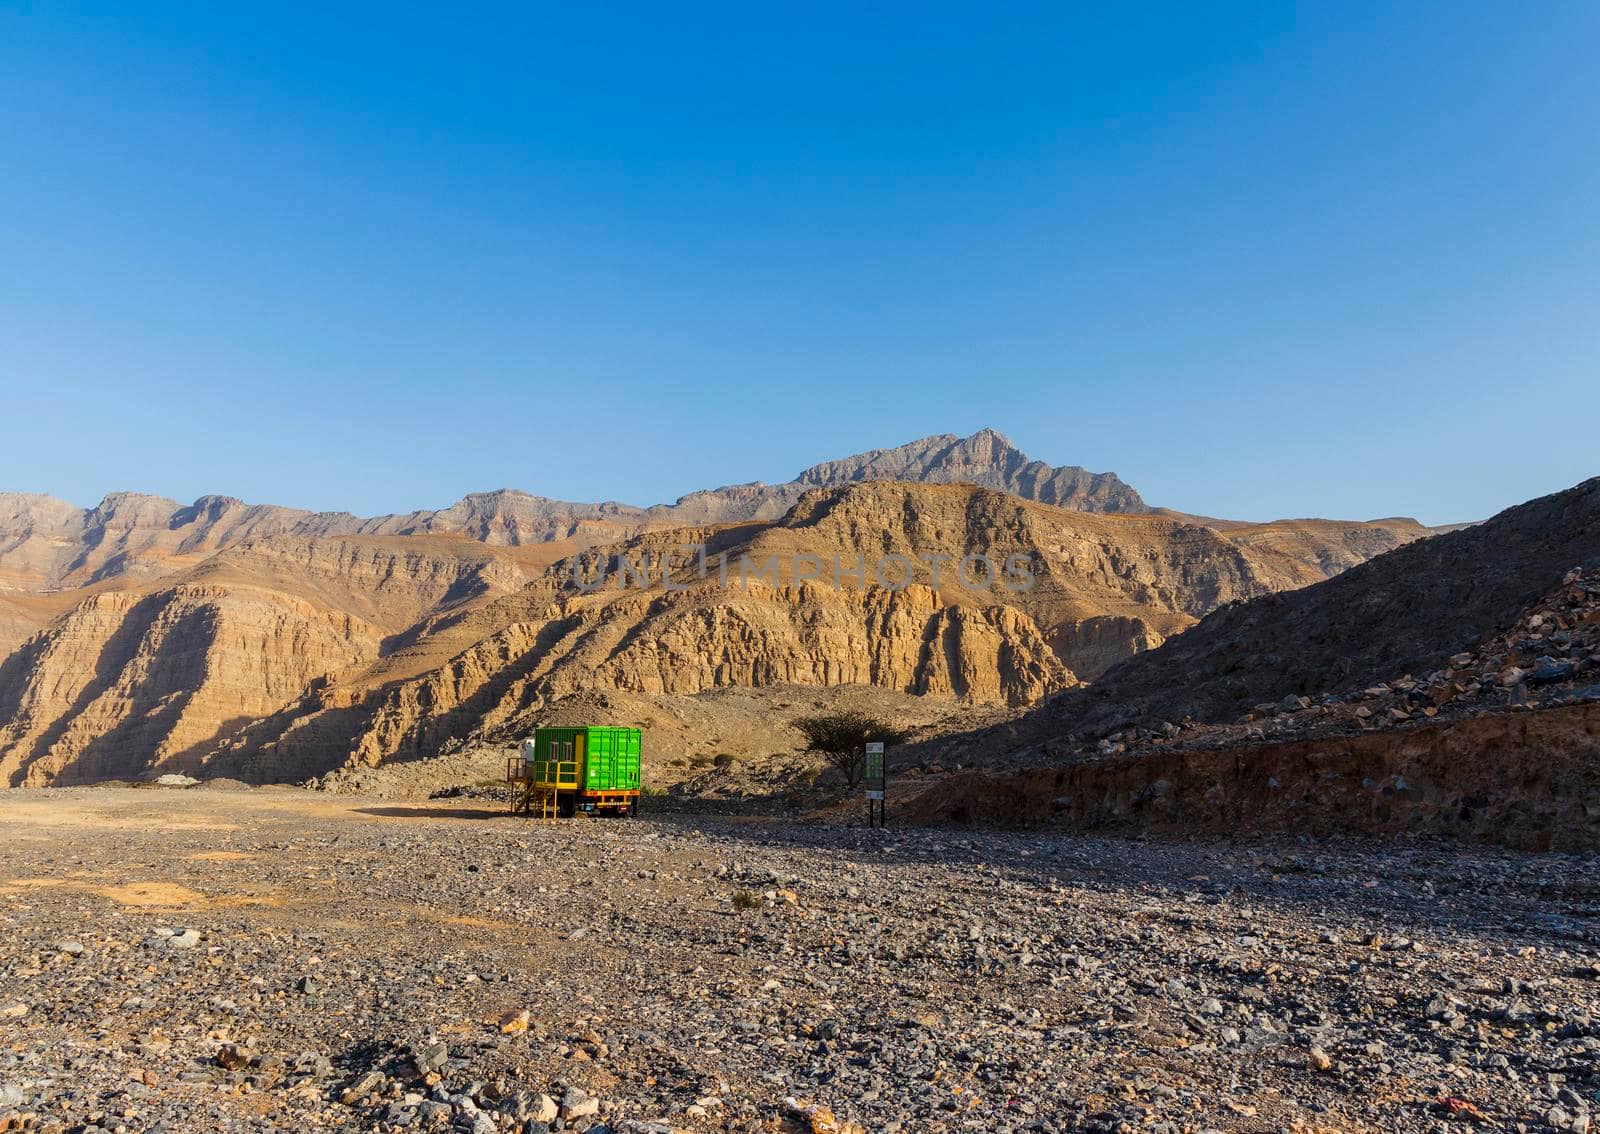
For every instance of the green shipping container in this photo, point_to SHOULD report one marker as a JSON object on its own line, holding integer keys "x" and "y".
{"x": 608, "y": 758}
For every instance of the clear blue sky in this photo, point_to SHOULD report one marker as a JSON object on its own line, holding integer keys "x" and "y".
{"x": 1323, "y": 259}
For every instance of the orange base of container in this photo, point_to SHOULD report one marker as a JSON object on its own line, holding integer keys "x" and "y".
{"x": 622, "y": 802}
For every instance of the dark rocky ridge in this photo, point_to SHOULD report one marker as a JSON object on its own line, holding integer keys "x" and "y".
{"x": 1405, "y": 610}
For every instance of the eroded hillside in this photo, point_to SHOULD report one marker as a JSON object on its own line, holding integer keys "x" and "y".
{"x": 157, "y": 677}
{"x": 1405, "y": 611}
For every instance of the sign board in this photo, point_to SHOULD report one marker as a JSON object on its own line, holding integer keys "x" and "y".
{"x": 874, "y": 768}
{"x": 873, "y": 778}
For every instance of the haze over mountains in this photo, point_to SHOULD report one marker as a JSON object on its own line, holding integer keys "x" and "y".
{"x": 276, "y": 643}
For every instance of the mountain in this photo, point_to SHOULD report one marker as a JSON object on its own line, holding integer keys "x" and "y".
{"x": 165, "y": 673}
{"x": 46, "y": 544}
{"x": 305, "y": 645}
{"x": 986, "y": 458}
{"x": 1407, "y": 610}
{"x": 1105, "y": 586}
{"x": 50, "y": 548}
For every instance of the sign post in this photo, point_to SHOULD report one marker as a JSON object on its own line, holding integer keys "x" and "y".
{"x": 875, "y": 780}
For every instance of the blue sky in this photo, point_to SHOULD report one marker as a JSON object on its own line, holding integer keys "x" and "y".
{"x": 1265, "y": 260}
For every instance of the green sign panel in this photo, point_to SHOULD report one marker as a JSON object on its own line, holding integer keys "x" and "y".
{"x": 874, "y": 772}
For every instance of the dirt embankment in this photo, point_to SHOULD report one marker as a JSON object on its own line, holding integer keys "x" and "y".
{"x": 1529, "y": 780}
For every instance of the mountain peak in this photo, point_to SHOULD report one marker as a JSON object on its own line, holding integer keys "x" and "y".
{"x": 988, "y": 458}
{"x": 992, "y": 436}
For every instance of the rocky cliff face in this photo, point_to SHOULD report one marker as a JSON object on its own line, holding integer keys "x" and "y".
{"x": 161, "y": 678}
{"x": 127, "y": 682}
{"x": 811, "y": 635}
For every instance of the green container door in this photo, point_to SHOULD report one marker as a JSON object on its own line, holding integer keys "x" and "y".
{"x": 597, "y": 772}
{"x": 612, "y": 762}
{"x": 625, "y": 759}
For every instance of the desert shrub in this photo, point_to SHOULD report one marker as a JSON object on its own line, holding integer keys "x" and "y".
{"x": 841, "y": 739}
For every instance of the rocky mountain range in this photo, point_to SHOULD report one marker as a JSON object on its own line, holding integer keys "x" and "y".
{"x": 275, "y": 644}
{"x": 48, "y": 544}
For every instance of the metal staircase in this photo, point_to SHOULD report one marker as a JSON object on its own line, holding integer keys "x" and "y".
{"x": 536, "y": 786}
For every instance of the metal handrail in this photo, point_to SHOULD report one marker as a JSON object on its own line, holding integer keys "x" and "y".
{"x": 553, "y": 773}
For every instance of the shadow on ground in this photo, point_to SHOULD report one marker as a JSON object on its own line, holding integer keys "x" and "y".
{"x": 434, "y": 812}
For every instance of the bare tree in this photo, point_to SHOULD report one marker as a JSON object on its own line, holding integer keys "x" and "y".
{"x": 841, "y": 740}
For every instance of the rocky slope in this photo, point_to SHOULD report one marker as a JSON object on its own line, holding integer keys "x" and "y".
{"x": 157, "y": 678}
{"x": 1524, "y": 779}
{"x": 1549, "y": 657}
{"x": 1405, "y": 611}
{"x": 1500, "y": 742}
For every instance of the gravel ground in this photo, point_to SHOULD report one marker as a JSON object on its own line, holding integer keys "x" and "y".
{"x": 285, "y": 960}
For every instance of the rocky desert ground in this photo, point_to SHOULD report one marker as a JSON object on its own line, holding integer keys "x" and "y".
{"x": 277, "y": 959}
